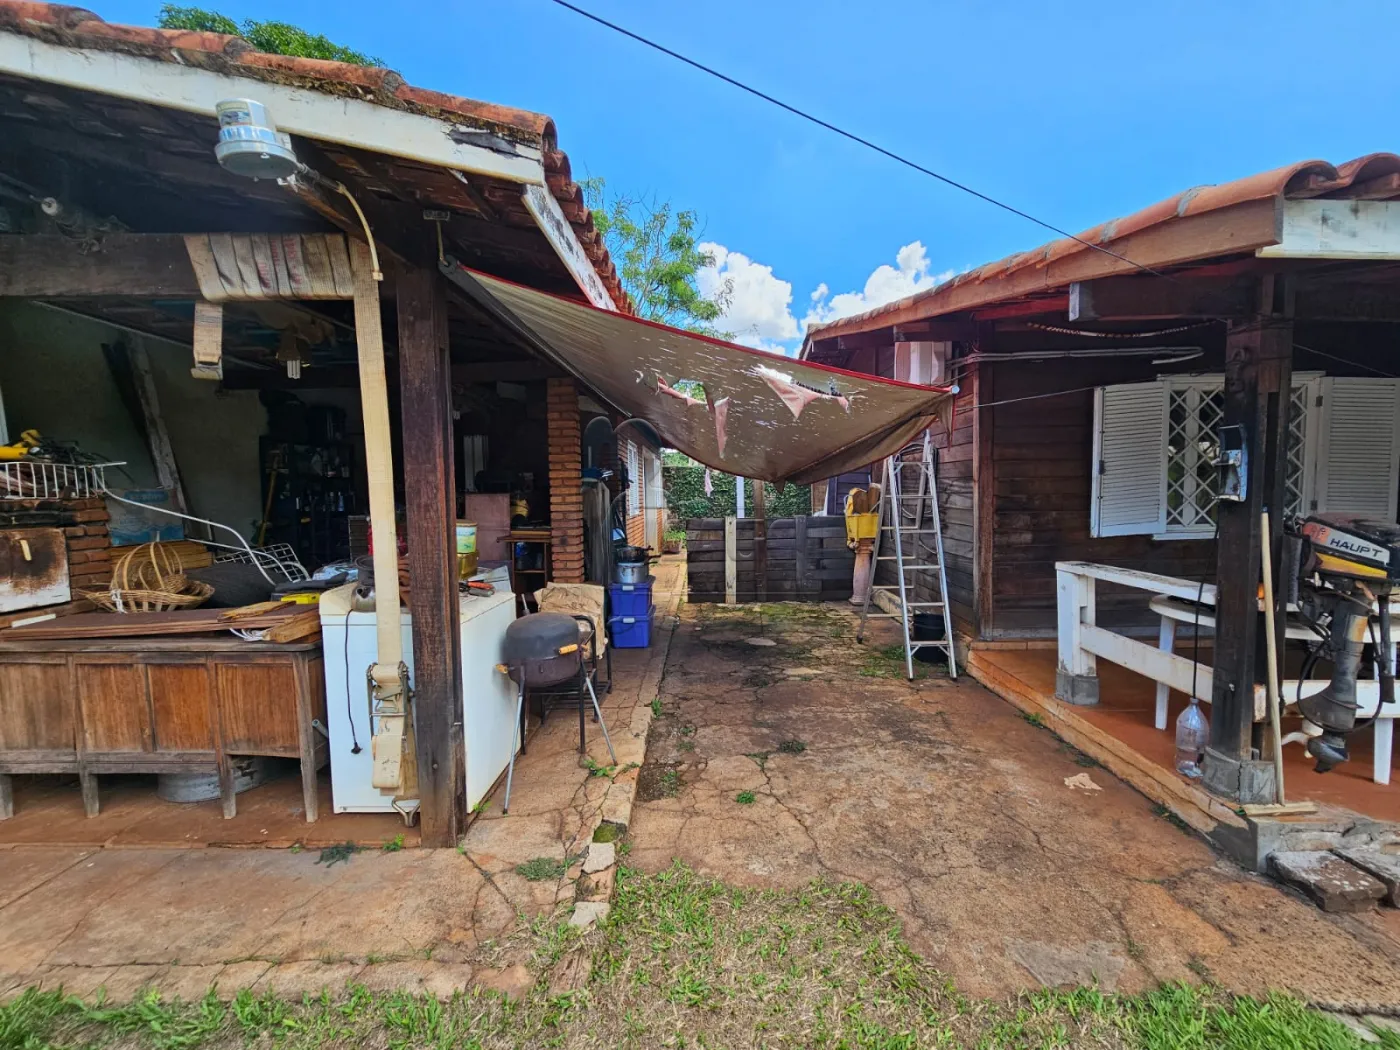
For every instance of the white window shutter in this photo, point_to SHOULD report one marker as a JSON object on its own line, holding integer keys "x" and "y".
{"x": 634, "y": 480}
{"x": 1130, "y": 453}
{"x": 1358, "y": 464}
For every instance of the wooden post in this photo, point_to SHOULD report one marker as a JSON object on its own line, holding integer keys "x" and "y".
{"x": 731, "y": 560}
{"x": 425, "y": 379}
{"x": 760, "y": 542}
{"x": 1077, "y": 673}
{"x": 1258, "y": 378}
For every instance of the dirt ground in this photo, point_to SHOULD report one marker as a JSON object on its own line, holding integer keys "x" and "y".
{"x": 786, "y": 751}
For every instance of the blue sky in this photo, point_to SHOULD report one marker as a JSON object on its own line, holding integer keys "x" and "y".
{"x": 1074, "y": 111}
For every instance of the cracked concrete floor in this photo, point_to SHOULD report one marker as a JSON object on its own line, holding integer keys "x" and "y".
{"x": 181, "y": 920}
{"x": 954, "y": 809}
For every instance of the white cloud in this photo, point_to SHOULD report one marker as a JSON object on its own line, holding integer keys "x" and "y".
{"x": 887, "y": 283}
{"x": 759, "y": 307}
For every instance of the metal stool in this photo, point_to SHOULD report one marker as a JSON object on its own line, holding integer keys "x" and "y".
{"x": 546, "y": 649}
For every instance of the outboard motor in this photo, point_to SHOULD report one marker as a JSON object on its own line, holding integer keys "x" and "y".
{"x": 1348, "y": 566}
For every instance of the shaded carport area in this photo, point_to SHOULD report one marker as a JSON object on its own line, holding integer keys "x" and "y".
{"x": 786, "y": 752}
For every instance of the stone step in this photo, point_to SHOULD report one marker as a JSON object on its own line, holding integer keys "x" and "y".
{"x": 1380, "y": 864}
{"x": 1334, "y": 884}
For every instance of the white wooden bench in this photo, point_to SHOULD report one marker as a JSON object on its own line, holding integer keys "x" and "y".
{"x": 1174, "y": 611}
{"x": 1082, "y": 643}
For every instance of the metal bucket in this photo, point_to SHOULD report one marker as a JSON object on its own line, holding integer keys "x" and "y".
{"x": 248, "y": 772}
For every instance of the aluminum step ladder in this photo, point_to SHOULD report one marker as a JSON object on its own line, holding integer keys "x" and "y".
{"x": 910, "y": 535}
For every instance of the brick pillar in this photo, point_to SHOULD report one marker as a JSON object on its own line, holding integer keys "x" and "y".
{"x": 89, "y": 545}
{"x": 565, "y": 480}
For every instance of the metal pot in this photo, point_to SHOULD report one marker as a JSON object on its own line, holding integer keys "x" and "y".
{"x": 631, "y": 572}
{"x": 632, "y": 555}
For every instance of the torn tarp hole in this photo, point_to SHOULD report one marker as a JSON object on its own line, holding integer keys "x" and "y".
{"x": 795, "y": 395}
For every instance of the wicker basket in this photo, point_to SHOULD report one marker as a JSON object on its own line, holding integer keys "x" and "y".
{"x": 155, "y": 585}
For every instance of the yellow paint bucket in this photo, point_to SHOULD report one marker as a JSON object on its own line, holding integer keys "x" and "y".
{"x": 466, "y": 550}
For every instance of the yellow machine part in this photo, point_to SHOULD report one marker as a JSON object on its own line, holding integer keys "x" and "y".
{"x": 1338, "y": 566}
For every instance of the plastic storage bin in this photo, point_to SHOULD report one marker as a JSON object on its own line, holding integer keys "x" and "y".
{"x": 631, "y": 632}
{"x": 630, "y": 599}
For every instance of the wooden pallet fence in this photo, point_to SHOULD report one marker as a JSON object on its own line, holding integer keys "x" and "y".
{"x": 805, "y": 559}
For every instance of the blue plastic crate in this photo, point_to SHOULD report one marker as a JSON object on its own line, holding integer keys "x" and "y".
{"x": 631, "y": 632}
{"x": 630, "y": 599}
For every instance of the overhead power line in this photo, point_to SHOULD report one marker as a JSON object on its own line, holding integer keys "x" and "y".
{"x": 852, "y": 136}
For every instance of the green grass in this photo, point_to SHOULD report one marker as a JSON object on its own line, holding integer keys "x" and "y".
{"x": 688, "y": 961}
{"x": 745, "y": 798}
{"x": 541, "y": 869}
{"x": 393, "y": 845}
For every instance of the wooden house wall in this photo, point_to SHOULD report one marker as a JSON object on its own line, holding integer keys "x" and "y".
{"x": 1040, "y": 459}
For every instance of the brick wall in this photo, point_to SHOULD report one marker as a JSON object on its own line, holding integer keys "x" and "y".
{"x": 565, "y": 480}
{"x": 84, "y": 525}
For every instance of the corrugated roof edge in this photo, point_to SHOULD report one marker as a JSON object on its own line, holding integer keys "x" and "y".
{"x": 1309, "y": 178}
{"x": 80, "y": 28}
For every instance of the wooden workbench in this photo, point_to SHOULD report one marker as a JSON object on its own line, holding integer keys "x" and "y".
{"x": 158, "y": 705}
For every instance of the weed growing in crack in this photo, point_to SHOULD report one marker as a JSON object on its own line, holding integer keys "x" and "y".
{"x": 792, "y": 747}
{"x": 333, "y": 855}
{"x": 1033, "y": 718}
{"x": 686, "y": 745}
{"x": 671, "y": 783}
{"x": 656, "y": 707}
{"x": 745, "y": 798}
{"x": 595, "y": 770}
{"x": 761, "y": 757}
{"x": 394, "y": 844}
{"x": 541, "y": 869}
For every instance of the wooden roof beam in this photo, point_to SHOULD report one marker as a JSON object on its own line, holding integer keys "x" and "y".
{"x": 136, "y": 265}
{"x": 1151, "y": 298}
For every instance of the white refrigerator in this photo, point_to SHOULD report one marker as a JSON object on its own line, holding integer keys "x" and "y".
{"x": 488, "y": 697}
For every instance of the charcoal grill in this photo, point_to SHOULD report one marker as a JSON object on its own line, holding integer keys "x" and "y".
{"x": 548, "y": 649}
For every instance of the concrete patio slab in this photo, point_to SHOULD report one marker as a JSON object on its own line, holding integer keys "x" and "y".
{"x": 124, "y": 915}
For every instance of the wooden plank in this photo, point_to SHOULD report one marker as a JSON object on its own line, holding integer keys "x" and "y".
{"x": 182, "y": 707}
{"x": 256, "y": 712}
{"x": 157, "y": 436}
{"x": 96, "y": 625}
{"x": 425, "y": 379}
{"x": 1151, "y": 582}
{"x": 984, "y": 500}
{"x": 115, "y": 706}
{"x": 141, "y": 265}
{"x": 731, "y": 565}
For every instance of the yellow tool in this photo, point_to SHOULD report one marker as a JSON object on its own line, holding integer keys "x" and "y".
{"x": 26, "y": 445}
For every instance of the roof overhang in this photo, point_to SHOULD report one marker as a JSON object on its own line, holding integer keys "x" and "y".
{"x": 760, "y": 415}
{"x": 298, "y": 111}
{"x": 1337, "y": 229}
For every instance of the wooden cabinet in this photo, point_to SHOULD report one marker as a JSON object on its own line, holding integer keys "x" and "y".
{"x": 158, "y": 705}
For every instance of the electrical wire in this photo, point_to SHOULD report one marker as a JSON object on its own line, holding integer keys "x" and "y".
{"x": 853, "y": 137}
{"x": 901, "y": 159}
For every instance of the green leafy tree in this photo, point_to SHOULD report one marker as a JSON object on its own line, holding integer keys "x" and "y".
{"x": 655, "y": 249}
{"x": 278, "y": 38}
